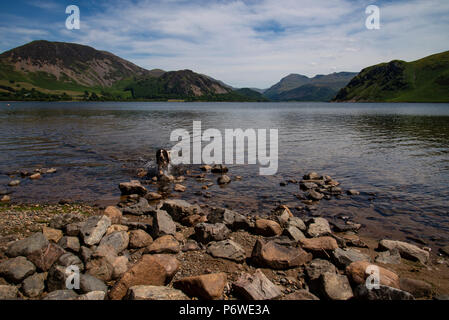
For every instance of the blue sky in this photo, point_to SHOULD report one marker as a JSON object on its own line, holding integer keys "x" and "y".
{"x": 250, "y": 43}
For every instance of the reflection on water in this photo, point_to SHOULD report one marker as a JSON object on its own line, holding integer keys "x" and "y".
{"x": 396, "y": 154}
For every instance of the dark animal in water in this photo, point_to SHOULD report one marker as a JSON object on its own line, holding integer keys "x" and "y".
{"x": 163, "y": 161}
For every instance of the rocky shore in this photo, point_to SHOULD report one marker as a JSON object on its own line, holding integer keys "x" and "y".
{"x": 153, "y": 247}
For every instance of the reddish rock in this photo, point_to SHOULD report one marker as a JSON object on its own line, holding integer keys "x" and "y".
{"x": 139, "y": 239}
{"x": 319, "y": 244}
{"x": 114, "y": 214}
{"x": 165, "y": 244}
{"x": 357, "y": 272}
{"x": 268, "y": 228}
{"x": 170, "y": 263}
{"x": 256, "y": 287}
{"x": 208, "y": 286}
{"x": 45, "y": 258}
{"x": 51, "y": 234}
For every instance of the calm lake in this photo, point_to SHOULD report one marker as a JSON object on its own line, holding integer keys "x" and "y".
{"x": 396, "y": 155}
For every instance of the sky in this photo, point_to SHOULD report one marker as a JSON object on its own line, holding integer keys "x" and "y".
{"x": 245, "y": 43}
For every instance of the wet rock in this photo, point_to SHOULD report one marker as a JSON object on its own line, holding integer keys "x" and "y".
{"x": 344, "y": 257}
{"x": 148, "y": 271}
{"x": 219, "y": 168}
{"x": 170, "y": 263}
{"x": 165, "y": 244}
{"x": 155, "y": 293}
{"x": 118, "y": 241}
{"x": 308, "y": 186}
{"x": 179, "y": 188}
{"x": 8, "y": 292}
{"x": 232, "y": 219}
{"x": 345, "y": 227}
{"x": 300, "y": 295}
{"x": 279, "y": 253}
{"x": 353, "y": 192}
{"x": 406, "y": 250}
{"x": 142, "y": 207}
{"x": 335, "y": 286}
{"x": 267, "y": 228}
{"x": 417, "y": 288}
{"x": 224, "y": 179}
{"x": 114, "y": 214}
{"x": 206, "y": 168}
{"x": 206, "y": 232}
{"x": 207, "y": 286}
{"x": 61, "y": 295}
{"x": 132, "y": 187}
{"x": 318, "y": 228}
{"x": 89, "y": 283}
{"x": 70, "y": 244}
{"x": 34, "y": 285}
{"x": 46, "y": 257}
{"x": 15, "y": 270}
{"x": 294, "y": 233}
{"x": 152, "y": 196}
{"x": 163, "y": 224}
{"x": 256, "y": 287}
{"x": 139, "y": 239}
{"x": 35, "y": 176}
{"x": 14, "y": 183}
{"x": 389, "y": 257}
{"x": 312, "y": 176}
{"x": 358, "y": 272}
{"x": 119, "y": 266}
{"x": 61, "y": 221}
{"x": 92, "y": 296}
{"x": 314, "y": 195}
{"x": 51, "y": 234}
{"x": 179, "y": 209}
{"x": 336, "y": 190}
{"x": 94, "y": 229}
{"x": 383, "y": 293}
{"x": 227, "y": 249}
{"x": 25, "y": 247}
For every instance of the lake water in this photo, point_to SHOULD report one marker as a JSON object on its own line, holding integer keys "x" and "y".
{"x": 396, "y": 155}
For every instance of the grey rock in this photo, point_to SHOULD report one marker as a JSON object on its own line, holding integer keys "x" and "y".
{"x": 256, "y": 287}
{"x": 163, "y": 224}
{"x": 74, "y": 229}
{"x": 61, "y": 295}
{"x": 27, "y": 246}
{"x": 314, "y": 195}
{"x": 8, "y": 292}
{"x": 155, "y": 293}
{"x": 179, "y": 209}
{"x": 70, "y": 243}
{"x": 92, "y": 296}
{"x": 227, "y": 249}
{"x": 336, "y": 287}
{"x": 297, "y": 222}
{"x": 206, "y": 232}
{"x": 89, "y": 283}
{"x": 61, "y": 221}
{"x": 231, "y": 219}
{"x": 308, "y": 185}
{"x": 318, "y": 228}
{"x": 406, "y": 250}
{"x": 132, "y": 187}
{"x": 317, "y": 267}
{"x": 86, "y": 253}
{"x": 17, "y": 269}
{"x": 142, "y": 207}
{"x": 34, "y": 285}
{"x": 117, "y": 240}
{"x": 389, "y": 257}
{"x": 383, "y": 293}
{"x": 57, "y": 277}
{"x": 94, "y": 229}
{"x": 294, "y": 233}
{"x": 344, "y": 257}
{"x": 69, "y": 259}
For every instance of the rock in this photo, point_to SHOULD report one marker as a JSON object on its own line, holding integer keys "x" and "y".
{"x": 86, "y": 253}
{"x": 61, "y": 295}
{"x": 300, "y": 295}
{"x": 116, "y": 228}
{"x": 206, "y": 232}
{"x": 179, "y": 209}
{"x": 69, "y": 259}
{"x": 132, "y": 187}
{"x": 227, "y": 249}
{"x": 314, "y": 195}
{"x": 15, "y": 270}
{"x": 8, "y": 292}
{"x": 256, "y": 287}
{"x": 70, "y": 243}
{"x": 344, "y": 257}
{"x": 120, "y": 266}
{"x": 318, "y": 245}
{"x": 25, "y": 247}
{"x": 51, "y": 171}
{"x": 383, "y": 293}
{"x": 148, "y": 271}
{"x": 35, "y": 176}
{"x": 93, "y": 296}
{"x": 318, "y": 228}
{"x": 163, "y": 224}
{"x": 94, "y": 229}
{"x": 89, "y": 283}
{"x": 191, "y": 245}
{"x": 5, "y": 199}
{"x": 142, "y": 207}
{"x": 34, "y": 285}
{"x": 57, "y": 278}
{"x": 170, "y": 263}
{"x": 207, "y": 286}
{"x": 317, "y": 267}
{"x": 14, "y": 183}
{"x": 233, "y": 220}
{"x": 335, "y": 286}
{"x": 74, "y": 229}
{"x": 219, "y": 168}
{"x": 155, "y": 293}
{"x": 179, "y": 188}
{"x": 61, "y": 221}
{"x": 353, "y": 192}
{"x": 445, "y": 251}
{"x": 192, "y": 221}
{"x": 279, "y": 254}
{"x": 51, "y": 234}
{"x": 389, "y": 257}
{"x": 165, "y": 244}
{"x": 206, "y": 168}
{"x": 224, "y": 179}
{"x": 45, "y": 258}
{"x": 100, "y": 268}
{"x": 118, "y": 241}
{"x": 417, "y": 288}
{"x": 345, "y": 227}
{"x": 357, "y": 272}
{"x": 139, "y": 239}
{"x": 312, "y": 176}
{"x": 152, "y": 196}
{"x": 297, "y": 222}
{"x": 294, "y": 233}
{"x": 308, "y": 186}
{"x": 267, "y": 228}
{"x": 114, "y": 214}
{"x": 406, "y": 250}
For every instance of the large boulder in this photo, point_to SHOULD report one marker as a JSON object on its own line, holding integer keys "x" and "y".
{"x": 163, "y": 224}
{"x": 256, "y": 287}
{"x": 406, "y": 250}
{"x": 17, "y": 269}
{"x": 207, "y": 286}
{"x": 132, "y": 187}
{"x": 25, "y": 247}
{"x": 155, "y": 293}
{"x": 227, "y": 249}
{"x": 179, "y": 209}
{"x": 279, "y": 253}
{"x": 206, "y": 232}
{"x": 94, "y": 229}
{"x": 358, "y": 272}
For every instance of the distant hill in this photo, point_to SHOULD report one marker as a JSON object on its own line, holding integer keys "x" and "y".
{"x": 424, "y": 80}
{"x": 296, "y": 87}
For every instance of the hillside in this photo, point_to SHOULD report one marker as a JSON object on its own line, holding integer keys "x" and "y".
{"x": 424, "y": 80}
{"x": 297, "y": 87}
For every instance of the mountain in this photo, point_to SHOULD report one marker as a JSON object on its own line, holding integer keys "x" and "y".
{"x": 296, "y": 87}
{"x": 424, "y": 80}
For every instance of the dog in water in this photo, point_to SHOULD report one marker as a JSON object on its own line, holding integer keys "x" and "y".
{"x": 163, "y": 161}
